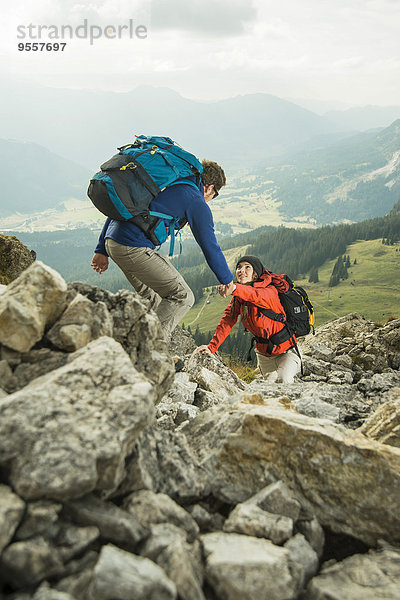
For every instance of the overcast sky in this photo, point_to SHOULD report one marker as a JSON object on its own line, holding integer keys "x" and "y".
{"x": 345, "y": 51}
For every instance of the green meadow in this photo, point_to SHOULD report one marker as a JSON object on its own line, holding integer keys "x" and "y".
{"x": 372, "y": 289}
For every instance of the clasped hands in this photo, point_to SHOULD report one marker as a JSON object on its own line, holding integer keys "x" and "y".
{"x": 226, "y": 290}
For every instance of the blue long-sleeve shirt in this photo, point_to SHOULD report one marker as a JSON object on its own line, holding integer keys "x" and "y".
{"x": 184, "y": 202}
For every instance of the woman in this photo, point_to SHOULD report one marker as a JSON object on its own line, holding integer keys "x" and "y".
{"x": 252, "y": 294}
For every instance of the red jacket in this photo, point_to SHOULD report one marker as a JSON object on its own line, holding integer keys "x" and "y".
{"x": 259, "y": 294}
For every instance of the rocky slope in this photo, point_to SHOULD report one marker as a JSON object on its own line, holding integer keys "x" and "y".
{"x": 120, "y": 479}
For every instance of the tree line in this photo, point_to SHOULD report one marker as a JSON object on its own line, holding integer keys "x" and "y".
{"x": 296, "y": 252}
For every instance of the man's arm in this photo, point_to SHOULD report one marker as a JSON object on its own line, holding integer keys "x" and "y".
{"x": 100, "y": 259}
{"x": 201, "y": 223}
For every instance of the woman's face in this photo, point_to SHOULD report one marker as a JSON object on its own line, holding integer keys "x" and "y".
{"x": 245, "y": 273}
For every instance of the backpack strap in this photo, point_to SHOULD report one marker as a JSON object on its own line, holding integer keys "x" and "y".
{"x": 278, "y": 338}
{"x": 173, "y": 221}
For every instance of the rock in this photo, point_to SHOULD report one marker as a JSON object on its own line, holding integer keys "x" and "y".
{"x": 78, "y": 576}
{"x": 304, "y": 559}
{"x": 182, "y": 562}
{"x": 182, "y": 389}
{"x": 31, "y": 303}
{"x": 7, "y": 381}
{"x": 45, "y": 592}
{"x": 240, "y": 567}
{"x": 27, "y": 563}
{"x": 314, "y": 407}
{"x": 207, "y": 519}
{"x": 251, "y": 520}
{"x": 115, "y": 525}
{"x": 14, "y": 258}
{"x": 39, "y": 518}
{"x": 322, "y": 351}
{"x": 384, "y": 424}
{"x": 162, "y": 461}
{"x": 182, "y": 343}
{"x": 119, "y": 575}
{"x": 343, "y": 360}
{"x": 11, "y": 511}
{"x": 68, "y": 433}
{"x": 212, "y": 375}
{"x": 138, "y": 330}
{"x": 276, "y": 498}
{"x": 82, "y": 322}
{"x": 204, "y": 399}
{"x": 150, "y": 508}
{"x": 35, "y": 363}
{"x": 310, "y": 396}
{"x": 368, "y": 576}
{"x": 313, "y": 533}
{"x": 322, "y": 463}
{"x": 71, "y": 540}
{"x": 315, "y": 367}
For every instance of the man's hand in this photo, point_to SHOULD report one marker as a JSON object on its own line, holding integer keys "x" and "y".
{"x": 226, "y": 290}
{"x": 203, "y": 349}
{"x": 99, "y": 263}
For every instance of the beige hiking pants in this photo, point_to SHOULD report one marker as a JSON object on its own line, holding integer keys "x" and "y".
{"x": 156, "y": 279}
{"x": 284, "y": 366}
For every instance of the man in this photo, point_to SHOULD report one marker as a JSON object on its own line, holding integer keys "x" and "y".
{"x": 151, "y": 274}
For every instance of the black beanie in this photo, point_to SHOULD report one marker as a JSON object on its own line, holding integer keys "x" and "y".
{"x": 255, "y": 263}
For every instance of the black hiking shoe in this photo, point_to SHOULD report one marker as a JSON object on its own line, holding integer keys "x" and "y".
{"x": 179, "y": 364}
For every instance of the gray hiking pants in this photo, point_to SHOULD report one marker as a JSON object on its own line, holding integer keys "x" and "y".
{"x": 156, "y": 279}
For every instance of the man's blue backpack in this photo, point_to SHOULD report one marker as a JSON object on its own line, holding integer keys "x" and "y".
{"x": 129, "y": 181}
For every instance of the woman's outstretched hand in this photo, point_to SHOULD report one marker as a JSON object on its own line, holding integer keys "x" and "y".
{"x": 203, "y": 349}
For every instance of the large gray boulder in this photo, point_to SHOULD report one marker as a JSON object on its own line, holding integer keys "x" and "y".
{"x": 29, "y": 305}
{"x": 371, "y": 576}
{"x": 68, "y": 433}
{"x": 384, "y": 424}
{"x": 322, "y": 463}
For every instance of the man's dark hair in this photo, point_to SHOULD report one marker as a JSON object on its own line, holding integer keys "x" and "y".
{"x": 213, "y": 174}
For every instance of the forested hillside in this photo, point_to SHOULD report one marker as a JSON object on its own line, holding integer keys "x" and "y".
{"x": 293, "y": 251}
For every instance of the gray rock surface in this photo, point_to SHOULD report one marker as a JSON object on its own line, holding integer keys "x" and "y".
{"x": 384, "y": 424}
{"x": 120, "y": 575}
{"x": 150, "y": 508}
{"x": 321, "y": 462}
{"x": 82, "y": 322}
{"x": 251, "y": 520}
{"x": 31, "y": 303}
{"x": 11, "y": 511}
{"x": 100, "y": 407}
{"x": 162, "y": 461}
{"x": 182, "y": 562}
{"x": 303, "y": 558}
{"x": 372, "y": 576}
{"x": 139, "y": 332}
{"x": 241, "y": 567}
{"x": 115, "y": 525}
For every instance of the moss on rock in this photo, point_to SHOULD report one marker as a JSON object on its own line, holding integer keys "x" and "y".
{"x": 15, "y": 257}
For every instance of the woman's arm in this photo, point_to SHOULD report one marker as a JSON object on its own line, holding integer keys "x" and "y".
{"x": 223, "y": 328}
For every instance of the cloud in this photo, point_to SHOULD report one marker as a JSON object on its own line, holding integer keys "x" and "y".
{"x": 206, "y": 17}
